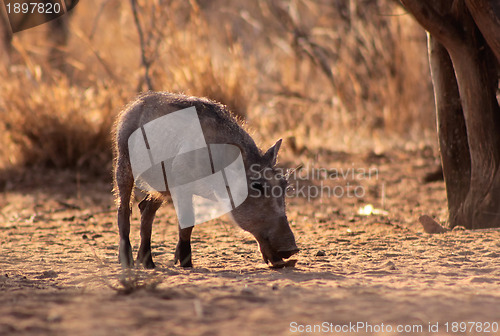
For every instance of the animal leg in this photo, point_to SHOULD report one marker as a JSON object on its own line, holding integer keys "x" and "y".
{"x": 124, "y": 184}
{"x": 148, "y": 208}
{"x": 183, "y": 250}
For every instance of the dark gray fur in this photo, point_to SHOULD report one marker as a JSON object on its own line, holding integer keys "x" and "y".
{"x": 264, "y": 217}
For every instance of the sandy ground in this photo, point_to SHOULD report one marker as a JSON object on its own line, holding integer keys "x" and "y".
{"x": 59, "y": 272}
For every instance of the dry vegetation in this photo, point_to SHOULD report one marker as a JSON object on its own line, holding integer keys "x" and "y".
{"x": 334, "y": 74}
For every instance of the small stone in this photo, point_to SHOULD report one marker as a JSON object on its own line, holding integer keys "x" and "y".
{"x": 54, "y": 317}
{"x": 47, "y": 274}
{"x": 247, "y": 291}
{"x": 389, "y": 265}
{"x": 430, "y": 225}
{"x": 320, "y": 253}
{"x": 481, "y": 280}
{"x": 489, "y": 255}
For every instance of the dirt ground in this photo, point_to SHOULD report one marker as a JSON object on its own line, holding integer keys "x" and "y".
{"x": 379, "y": 270}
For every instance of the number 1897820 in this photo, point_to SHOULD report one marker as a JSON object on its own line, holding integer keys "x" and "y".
{"x": 34, "y": 8}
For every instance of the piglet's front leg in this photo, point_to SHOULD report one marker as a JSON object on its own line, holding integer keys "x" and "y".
{"x": 183, "y": 250}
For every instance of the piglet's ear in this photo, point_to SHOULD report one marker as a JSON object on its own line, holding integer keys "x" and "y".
{"x": 272, "y": 153}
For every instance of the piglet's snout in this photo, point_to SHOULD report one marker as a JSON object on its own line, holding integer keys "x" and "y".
{"x": 282, "y": 239}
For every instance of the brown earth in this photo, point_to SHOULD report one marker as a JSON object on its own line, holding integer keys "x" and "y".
{"x": 60, "y": 276}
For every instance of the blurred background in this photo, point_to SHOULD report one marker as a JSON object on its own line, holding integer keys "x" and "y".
{"x": 337, "y": 75}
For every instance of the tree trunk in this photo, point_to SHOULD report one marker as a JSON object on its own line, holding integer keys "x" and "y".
{"x": 455, "y": 156}
{"x": 468, "y": 118}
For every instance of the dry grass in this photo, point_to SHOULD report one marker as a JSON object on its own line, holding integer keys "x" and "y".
{"x": 57, "y": 125}
{"x": 322, "y": 74}
{"x": 132, "y": 280}
{"x": 189, "y": 61}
